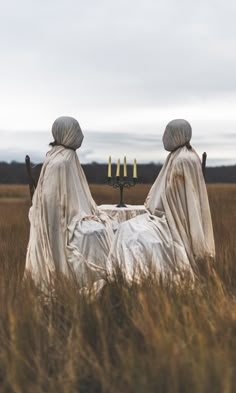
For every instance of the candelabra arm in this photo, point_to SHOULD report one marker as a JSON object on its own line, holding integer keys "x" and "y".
{"x": 121, "y": 183}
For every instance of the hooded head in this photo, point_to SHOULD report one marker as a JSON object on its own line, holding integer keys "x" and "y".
{"x": 177, "y": 133}
{"x": 67, "y": 132}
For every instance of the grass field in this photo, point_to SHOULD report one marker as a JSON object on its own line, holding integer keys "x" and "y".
{"x": 139, "y": 339}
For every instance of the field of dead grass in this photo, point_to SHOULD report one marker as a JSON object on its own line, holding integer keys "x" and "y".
{"x": 138, "y": 339}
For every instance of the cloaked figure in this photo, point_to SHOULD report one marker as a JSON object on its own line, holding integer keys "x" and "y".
{"x": 176, "y": 234}
{"x": 68, "y": 234}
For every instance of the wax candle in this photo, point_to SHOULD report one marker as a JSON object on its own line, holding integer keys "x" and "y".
{"x": 109, "y": 167}
{"x": 125, "y": 167}
{"x": 118, "y": 168}
{"x": 135, "y": 175}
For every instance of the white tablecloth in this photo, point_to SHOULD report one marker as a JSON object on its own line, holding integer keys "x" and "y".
{"x": 121, "y": 214}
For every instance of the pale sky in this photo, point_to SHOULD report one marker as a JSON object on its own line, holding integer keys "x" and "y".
{"x": 124, "y": 69}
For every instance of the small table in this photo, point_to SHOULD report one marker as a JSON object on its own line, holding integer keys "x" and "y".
{"x": 121, "y": 214}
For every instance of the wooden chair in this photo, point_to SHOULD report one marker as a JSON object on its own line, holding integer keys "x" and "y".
{"x": 204, "y": 158}
{"x": 33, "y": 173}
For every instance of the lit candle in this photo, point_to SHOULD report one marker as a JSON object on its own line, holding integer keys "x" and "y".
{"x": 109, "y": 167}
{"x": 135, "y": 175}
{"x": 125, "y": 167}
{"x": 118, "y": 168}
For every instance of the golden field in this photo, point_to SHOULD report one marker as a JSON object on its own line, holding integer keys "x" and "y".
{"x": 139, "y": 339}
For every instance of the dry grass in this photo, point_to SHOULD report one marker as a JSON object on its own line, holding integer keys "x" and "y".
{"x": 14, "y": 191}
{"x": 101, "y": 193}
{"x": 151, "y": 338}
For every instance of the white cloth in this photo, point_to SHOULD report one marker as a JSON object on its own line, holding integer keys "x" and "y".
{"x": 181, "y": 235}
{"x": 68, "y": 233}
{"x": 141, "y": 246}
{"x": 177, "y": 133}
{"x": 121, "y": 214}
{"x": 67, "y": 132}
{"x": 180, "y": 191}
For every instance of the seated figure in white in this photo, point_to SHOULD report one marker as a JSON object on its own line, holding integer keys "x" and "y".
{"x": 176, "y": 234}
{"x": 68, "y": 234}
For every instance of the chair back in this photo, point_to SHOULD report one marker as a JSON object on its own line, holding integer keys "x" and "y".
{"x": 33, "y": 173}
{"x": 204, "y": 158}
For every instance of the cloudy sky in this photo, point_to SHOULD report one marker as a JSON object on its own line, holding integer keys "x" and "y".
{"x": 123, "y": 69}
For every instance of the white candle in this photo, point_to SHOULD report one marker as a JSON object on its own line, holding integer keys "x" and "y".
{"x": 109, "y": 167}
{"x": 135, "y": 175}
{"x": 118, "y": 168}
{"x": 125, "y": 167}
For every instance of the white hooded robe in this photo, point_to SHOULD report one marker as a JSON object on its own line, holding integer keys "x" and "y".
{"x": 68, "y": 233}
{"x": 177, "y": 234}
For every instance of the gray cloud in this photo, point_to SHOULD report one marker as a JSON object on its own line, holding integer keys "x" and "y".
{"x": 98, "y": 52}
{"x": 97, "y": 146}
{"x": 119, "y": 66}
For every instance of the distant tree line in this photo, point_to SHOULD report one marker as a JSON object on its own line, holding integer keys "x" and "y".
{"x": 15, "y": 173}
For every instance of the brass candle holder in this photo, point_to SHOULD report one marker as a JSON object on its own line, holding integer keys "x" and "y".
{"x": 122, "y": 182}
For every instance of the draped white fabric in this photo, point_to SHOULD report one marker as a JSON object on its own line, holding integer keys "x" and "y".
{"x": 177, "y": 134}
{"x": 67, "y": 132}
{"x": 67, "y": 231}
{"x": 121, "y": 214}
{"x": 177, "y": 234}
{"x": 142, "y": 245}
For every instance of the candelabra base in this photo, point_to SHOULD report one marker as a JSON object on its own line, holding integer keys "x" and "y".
{"x": 121, "y": 205}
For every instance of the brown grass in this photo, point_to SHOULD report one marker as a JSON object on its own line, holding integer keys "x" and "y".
{"x": 102, "y": 194}
{"x": 139, "y": 339}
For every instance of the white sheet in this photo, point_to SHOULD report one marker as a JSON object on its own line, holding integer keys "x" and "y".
{"x": 177, "y": 234}
{"x": 141, "y": 246}
{"x": 121, "y": 214}
{"x": 180, "y": 191}
{"x": 68, "y": 233}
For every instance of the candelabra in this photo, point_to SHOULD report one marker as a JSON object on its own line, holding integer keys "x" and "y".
{"x": 122, "y": 182}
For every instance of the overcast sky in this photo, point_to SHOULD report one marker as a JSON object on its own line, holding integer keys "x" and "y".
{"x": 123, "y": 69}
